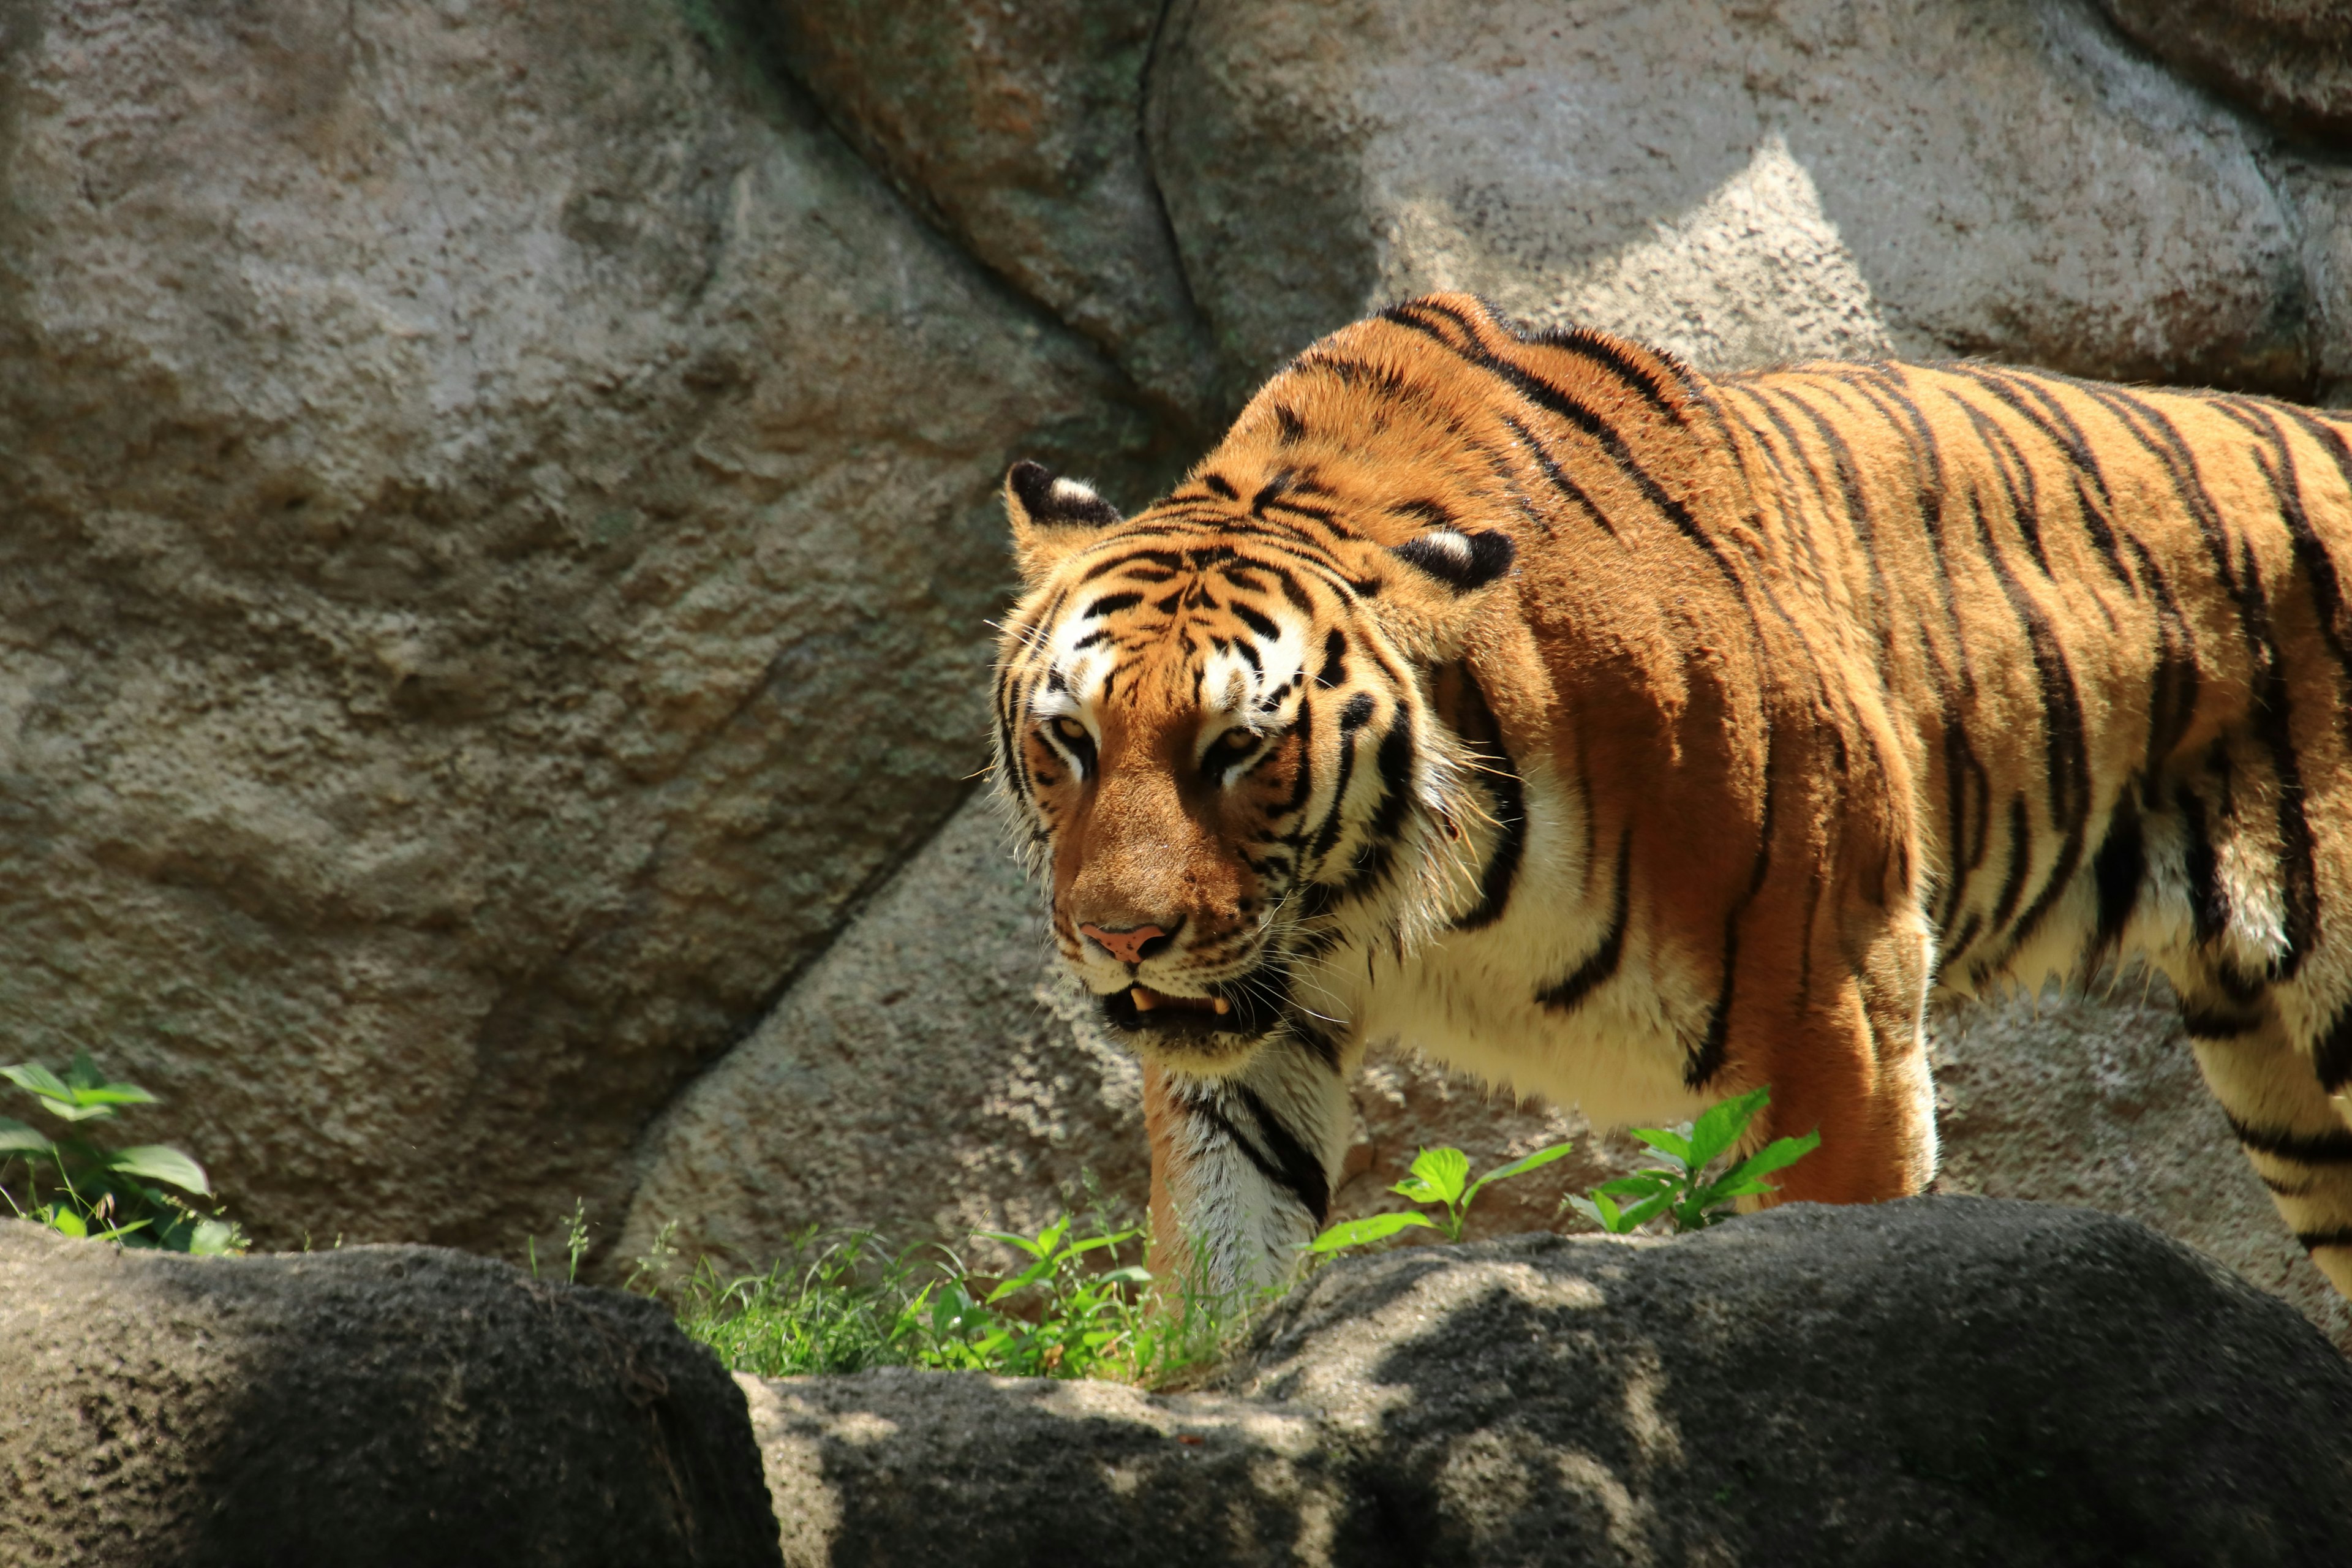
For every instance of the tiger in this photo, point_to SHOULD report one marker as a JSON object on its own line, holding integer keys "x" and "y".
{"x": 1634, "y": 738}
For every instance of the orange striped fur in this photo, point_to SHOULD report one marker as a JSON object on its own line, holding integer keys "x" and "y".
{"x": 1633, "y": 738}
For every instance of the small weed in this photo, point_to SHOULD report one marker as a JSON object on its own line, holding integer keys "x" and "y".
{"x": 1439, "y": 1177}
{"x": 94, "y": 1191}
{"x": 1677, "y": 1190}
{"x": 845, "y": 1301}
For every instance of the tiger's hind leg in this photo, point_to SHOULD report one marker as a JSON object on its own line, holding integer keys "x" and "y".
{"x": 2292, "y": 1129}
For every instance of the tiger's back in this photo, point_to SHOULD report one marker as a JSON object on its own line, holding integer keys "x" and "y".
{"x": 1796, "y": 700}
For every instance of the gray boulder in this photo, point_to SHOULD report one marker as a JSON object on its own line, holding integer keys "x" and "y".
{"x": 1740, "y": 183}
{"x": 2291, "y": 60}
{"x": 501, "y": 515}
{"x": 1019, "y": 130}
{"x": 389, "y": 1405}
{"x": 1934, "y": 1381}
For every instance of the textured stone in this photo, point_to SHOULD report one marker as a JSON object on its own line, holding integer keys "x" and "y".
{"x": 1934, "y": 1381}
{"x": 2099, "y": 1104}
{"x": 386, "y": 1406}
{"x": 2291, "y": 60}
{"x": 931, "y": 1078}
{"x": 1019, "y": 130}
{"x": 1739, "y": 183}
{"x": 499, "y": 520}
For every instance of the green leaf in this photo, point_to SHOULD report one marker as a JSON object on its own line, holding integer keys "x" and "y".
{"x": 1133, "y": 1274}
{"x": 1535, "y": 1160}
{"x": 1671, "y": 1145}
{"x": 16, "y": 1138}
{"x": 63, "y": 1221}
{"x": 1778, "y": 1154}
{"x": 1735, "y": 1186}
{"x": 1447, "y": 1169}
{"x": 1370, "y": 1228}
{"x": 1600, "y": 1208}
{"x": 37, "y": 1079}
{"x": 1641, "y": 1213}
{"x": 1037, "y": 1248}
{"x": 1722, "y": 1124}
{"x": 160, "y": 1162}
{"x": 1641, "y": 1185}
{"x": 113, "y": 1094}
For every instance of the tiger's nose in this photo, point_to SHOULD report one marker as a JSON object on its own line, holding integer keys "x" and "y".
{"x": 1132, "y": 945}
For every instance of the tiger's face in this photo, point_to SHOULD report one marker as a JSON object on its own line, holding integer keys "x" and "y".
{"x": 1221, "y": 754}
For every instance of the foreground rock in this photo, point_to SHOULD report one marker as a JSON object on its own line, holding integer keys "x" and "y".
{"x": 390, "y": 1406}
{"x": 1938, "y": 1380}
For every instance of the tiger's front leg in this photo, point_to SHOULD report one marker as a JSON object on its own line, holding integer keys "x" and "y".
{"x": 1242, "y": 1165}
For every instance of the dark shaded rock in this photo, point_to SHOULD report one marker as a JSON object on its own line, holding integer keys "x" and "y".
{"x": 1936, "y": 1381}
{"x": 383, "y": 1405}
{"x": 1019, "y": 128}
{"x": 2290, "y": 60}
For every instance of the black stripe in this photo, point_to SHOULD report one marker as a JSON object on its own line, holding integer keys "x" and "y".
{"x": 1586, "y": 343}
{"x": 1394, "y": 762}
{"x": 1557, "y": 475}
{"x": 2012, "y": 882}
{"x": 1500, "y": 776}
{"x": 2331, "y": 1054}
{"x": 1570, "y": 993}
{"x": 2298, "y": 871}
{"x": 2117, "y": 869}
{"x": 2333, "y": 1147}
{"x": 1301, "y": 1172}
{"x": 1257, "y": 623}
{"x": 1311, "y": 1189}
{"x": 1553, "y": 400}
{"x": 2209, "y": 902}
{"x": 1708, "y": 1060}
{"x": 2312, "y": 1240}
{"x": 2205, "y": 1023}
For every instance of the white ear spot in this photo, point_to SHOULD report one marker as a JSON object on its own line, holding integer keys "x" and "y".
{"x": 1465, "y": 561}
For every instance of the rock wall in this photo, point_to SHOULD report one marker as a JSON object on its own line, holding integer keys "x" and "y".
{"x": 499, "y": 506}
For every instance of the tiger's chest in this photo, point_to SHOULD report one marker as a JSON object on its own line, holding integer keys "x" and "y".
{"x": 1565, "y": 992}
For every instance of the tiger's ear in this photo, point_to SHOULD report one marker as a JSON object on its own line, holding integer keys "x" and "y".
{"x": 1051, "y": 517}
{"x": 1431, "y": 606}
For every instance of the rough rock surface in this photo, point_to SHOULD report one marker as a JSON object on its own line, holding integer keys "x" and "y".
{"x": 1019, "y": 128}
{"x": 2291, "y": 60}
{"x": 500, "y": 523}
{"x": 1936, "y": 1381}
{"x": 2071, "y": 1100}
{"x": 929, "y": 1079}
{"x": 389, "y": 1405}
{"x": 1737, "y": 182}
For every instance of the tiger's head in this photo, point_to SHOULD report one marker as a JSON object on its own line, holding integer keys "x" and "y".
{"x": 1215, "y": 727}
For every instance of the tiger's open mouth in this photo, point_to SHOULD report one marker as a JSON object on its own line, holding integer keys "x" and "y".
{"x": 1232, "y": 1009}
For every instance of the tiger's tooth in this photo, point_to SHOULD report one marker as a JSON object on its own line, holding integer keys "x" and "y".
{"x": 1144, "y": 1000}
{"x": 1223, "y": 1007}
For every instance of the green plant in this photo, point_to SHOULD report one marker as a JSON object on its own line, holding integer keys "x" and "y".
{"x": 1678, "y": 1189}
{"x": 1439, "y": 1177}
{"x": 846, "y": 1302}
{"x": 107, "y": 1194}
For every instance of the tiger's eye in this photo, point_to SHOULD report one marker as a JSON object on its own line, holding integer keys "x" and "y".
{"x": 1230, "y": 747}
{"x": 1070, "y": 730}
